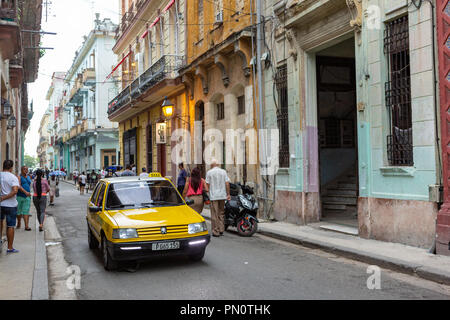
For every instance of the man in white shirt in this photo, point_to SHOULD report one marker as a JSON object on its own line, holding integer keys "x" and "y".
{"x": 144, "y": 173}
{"x": 9, "y": 185}
{"x": 219, "y": 191}
{"x": 82, "y": 180}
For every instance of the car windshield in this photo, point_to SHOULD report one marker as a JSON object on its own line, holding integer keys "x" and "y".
{"x": 142, "y": 194}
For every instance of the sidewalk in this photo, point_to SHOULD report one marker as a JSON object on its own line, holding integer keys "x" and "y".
{"x": 23, "y": 275}
{"x": 389, "y": 255}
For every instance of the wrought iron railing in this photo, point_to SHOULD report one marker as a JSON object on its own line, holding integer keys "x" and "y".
{"x": 398, "y": 93}
{"x": 165, "y": 68}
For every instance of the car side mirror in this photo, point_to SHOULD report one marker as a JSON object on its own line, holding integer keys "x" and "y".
{"x": 189, "y": 202}
{"x": 94, "y": 209}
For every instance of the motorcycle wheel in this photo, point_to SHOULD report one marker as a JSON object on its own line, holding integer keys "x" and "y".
{"x": 246, "y": 228}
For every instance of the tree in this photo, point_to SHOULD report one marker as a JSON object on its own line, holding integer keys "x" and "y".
{"x": 30, "y": 161}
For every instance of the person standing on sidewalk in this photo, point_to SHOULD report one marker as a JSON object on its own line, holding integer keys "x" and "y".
{"x": 127, "y": 172}
{"x": 181, "y": 181}
{"x": 9, "y": 186}
{"x": 218, "y": 184}
{"x": 82, "y": 180}
{"x": 40, "y": 188}
{"x": 24, "y": 199}
{"x": 194, "y": 188}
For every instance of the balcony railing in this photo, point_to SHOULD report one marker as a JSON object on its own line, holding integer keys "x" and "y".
{"x": 89, "y": 76}
{"x": 165, "y": 68}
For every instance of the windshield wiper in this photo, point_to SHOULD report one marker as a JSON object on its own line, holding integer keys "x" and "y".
{"x": 158, "y": 202}
{"x": 121, "y": 205}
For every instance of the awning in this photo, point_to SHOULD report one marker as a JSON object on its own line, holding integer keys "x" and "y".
{"x": 169, "y": 5}
{"x": 115, "y": 68}
{"x": 155, "y": 22}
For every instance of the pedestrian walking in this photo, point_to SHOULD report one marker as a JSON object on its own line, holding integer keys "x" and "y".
{"x": 144, "y": 173}
{"x": 182, "y": 175}
{"x": 9, "y": 186}
{"x": 24, "y": 199}
{"x": 82, "y": 182}
{"x": 218, "y": 184}
{"x": 127, "y": 172}
{"x": 195, "y": 185}
{"x": 53, "y": 182}
{"x": 40, "y": 191}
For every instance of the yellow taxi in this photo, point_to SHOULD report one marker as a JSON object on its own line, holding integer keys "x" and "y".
{"x": 134, "y": 218}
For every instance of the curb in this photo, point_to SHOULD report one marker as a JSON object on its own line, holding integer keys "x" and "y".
{"x": 381, "y": 261}
{"x": 40, "y": 276}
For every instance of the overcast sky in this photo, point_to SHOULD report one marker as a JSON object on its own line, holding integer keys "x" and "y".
{"x": 71, "y": 20}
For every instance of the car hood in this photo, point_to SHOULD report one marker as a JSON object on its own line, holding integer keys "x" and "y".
{"x": 154, "y": 217}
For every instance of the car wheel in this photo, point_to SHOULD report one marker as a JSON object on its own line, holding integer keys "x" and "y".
{"x": 108, "y": 262}
{"x": 93, "y": 242}
{"x": 197, "y": 256}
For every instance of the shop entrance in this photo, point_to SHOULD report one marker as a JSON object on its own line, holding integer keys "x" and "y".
{"x": 338, "y": 154}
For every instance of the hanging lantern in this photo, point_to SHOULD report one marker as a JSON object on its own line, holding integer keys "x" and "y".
{"x": 167, "y": 108}
{"x": 7, "y": 108}
{"x": 12, "y": 122}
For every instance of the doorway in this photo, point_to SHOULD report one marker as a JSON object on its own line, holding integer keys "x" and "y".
{"x": 200, "y": 116}
{"x": 338, "y": 154}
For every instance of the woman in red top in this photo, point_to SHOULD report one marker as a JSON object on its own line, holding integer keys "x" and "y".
{"x": 193, "y": 189}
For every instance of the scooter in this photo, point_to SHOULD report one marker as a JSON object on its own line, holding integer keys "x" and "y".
{"x": 241, "y": 210}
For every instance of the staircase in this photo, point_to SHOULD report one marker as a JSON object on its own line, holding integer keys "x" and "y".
{"x": 339, "y": 198}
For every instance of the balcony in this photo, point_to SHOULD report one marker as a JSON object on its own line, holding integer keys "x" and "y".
{"x": 9, "y": 29}
{"x": 166, "y": 68}
{"x": 88, "y": 125}
{"x": 77, "y": 92}
{"x": 88, "y": 76}
{"x": 16, "y": 72}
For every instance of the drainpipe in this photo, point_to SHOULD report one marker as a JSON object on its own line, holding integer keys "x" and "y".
{"x": 259, "y": 44}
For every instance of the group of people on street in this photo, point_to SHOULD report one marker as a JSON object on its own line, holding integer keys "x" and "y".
{"x": 16, "y": 196}
{"x": 215, "y": 188}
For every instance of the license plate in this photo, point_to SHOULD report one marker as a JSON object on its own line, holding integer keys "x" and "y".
{"x": 166, "y": 245}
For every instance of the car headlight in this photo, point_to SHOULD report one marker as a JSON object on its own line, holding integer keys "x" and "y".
{"x": 124, "y": 233}
{"x": 197, "y": 227}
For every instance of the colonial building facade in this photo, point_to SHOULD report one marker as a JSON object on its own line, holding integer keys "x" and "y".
{"x": 18, "y": 66}
{"x": 150, "y": 49}
{"x": 87, "y": 139}
{"x": 351, "y": 90}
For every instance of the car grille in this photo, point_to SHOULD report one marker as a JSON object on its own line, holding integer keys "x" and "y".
{"x": 155, "y": 232}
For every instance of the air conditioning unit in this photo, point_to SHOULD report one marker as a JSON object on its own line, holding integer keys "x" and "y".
{"x": 219, "y": 17}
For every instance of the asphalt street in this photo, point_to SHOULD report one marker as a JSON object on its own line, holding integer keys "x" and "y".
{"x": 233, "y": 268}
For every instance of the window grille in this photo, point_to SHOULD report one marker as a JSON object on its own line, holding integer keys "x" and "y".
{"x": 241, "y": 104}
{"x": 220, "y": 111}
{"x": 282, "y": 115}
{"x": 398, "y": 92}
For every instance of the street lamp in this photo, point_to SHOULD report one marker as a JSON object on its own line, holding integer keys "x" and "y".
{"x": 167, "y": 108}
{"x": 7, "y": 109}
{"x": 12, "y": 122}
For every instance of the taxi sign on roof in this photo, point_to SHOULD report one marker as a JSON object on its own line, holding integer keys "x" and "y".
{"x": 154, "y": 175}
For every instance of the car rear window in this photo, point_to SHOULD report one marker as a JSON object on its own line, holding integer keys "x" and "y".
{"x": 142, "y": 194}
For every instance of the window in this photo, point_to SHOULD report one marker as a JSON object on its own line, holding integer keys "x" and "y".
{"x": 282, "y": 115}
{"x": 101, "y": 194}
{"x": 241, "y": 104}
{"x": 142, "y": 194}
{"x": 220, "y": 111}
{"x": 398, "y": 92}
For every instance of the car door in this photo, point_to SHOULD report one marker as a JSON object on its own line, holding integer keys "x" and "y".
{"x": 93, "y": 216}
{"x": 97, "y": 216}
